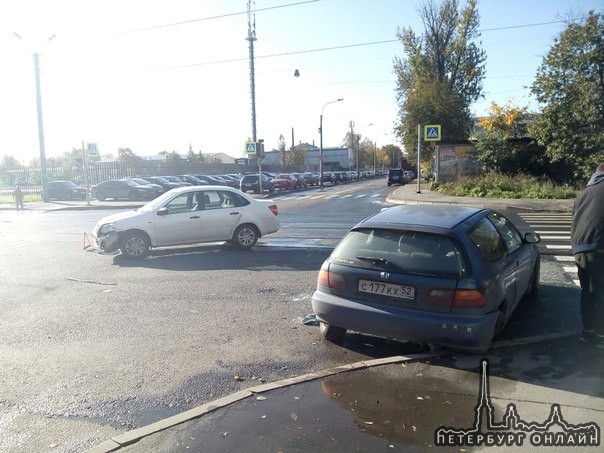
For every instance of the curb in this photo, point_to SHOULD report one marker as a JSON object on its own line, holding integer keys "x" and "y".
{"x": 131, "y": 437}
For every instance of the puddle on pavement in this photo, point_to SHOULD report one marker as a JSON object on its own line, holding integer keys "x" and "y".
{"x": 377, "y": 409}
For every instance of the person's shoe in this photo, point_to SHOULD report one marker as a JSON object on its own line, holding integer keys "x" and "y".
{"x": 600, "y": 341}
{"x": 587, "y": 336}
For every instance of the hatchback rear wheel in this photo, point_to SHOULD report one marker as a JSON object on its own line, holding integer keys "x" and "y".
{"x": 332, "y": 333}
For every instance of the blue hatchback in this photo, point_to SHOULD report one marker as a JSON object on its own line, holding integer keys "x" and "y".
{"x": 439, "y": 275}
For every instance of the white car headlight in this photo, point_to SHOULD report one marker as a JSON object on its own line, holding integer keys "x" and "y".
{"x": 106, "y": 228}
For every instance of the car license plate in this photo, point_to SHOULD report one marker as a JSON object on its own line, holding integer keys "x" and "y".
{"x": 387, "y": 289}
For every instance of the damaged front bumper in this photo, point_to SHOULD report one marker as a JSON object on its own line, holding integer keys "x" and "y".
{"x": 108, "y": 242}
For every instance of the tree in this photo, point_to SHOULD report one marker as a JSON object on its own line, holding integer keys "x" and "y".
{"x": 282, "y": 147}
{"x": 392, "y": 155}
{"x": 296, "y": 156}
{"x": 442, "y": 74}
{"x": 127, "y": 156}
{"x": 570, "y": 88}
{"x": 503, "y": 144}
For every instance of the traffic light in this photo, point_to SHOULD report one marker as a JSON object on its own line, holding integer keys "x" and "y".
{"x": 260, "y": 149}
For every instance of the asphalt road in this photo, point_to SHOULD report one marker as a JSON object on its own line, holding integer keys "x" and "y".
{"x": 93, "y": 345}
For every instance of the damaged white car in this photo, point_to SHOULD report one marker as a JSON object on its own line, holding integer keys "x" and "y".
{"x": 188, "y": 215}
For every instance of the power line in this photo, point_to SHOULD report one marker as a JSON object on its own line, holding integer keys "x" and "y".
{"x": 222, "y": 16}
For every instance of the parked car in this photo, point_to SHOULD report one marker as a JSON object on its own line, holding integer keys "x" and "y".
{"x": 395, "y": 176}
{"x": 122, "y": 188}
{"x": 302, "y": 183}
{"x": 167, "y": 185}
{"x": 188, "y": 215}
{"x": 312, "y": 178}
{"x": 211, "y": 180}
{"x": 440, "y": 275}
{"x": 250, "y": 182}
{"x": 177, "y": 180}
{"x": 193, "y": 180}
{"x": 157, "y": 187}
{"x": 65, "y": 190}
{"x": 285, "y": 181}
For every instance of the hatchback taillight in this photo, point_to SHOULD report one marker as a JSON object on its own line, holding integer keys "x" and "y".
{"x": 273, "y": 208}
{"x": 331, "y": 280}
{"x": 462, "y": 298}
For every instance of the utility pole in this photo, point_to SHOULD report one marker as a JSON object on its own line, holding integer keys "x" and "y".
{"x": 251, "y": 37}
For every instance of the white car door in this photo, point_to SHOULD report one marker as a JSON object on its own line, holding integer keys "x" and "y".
{"x": 178, "y": 221}
{"x": 221, "y": 215}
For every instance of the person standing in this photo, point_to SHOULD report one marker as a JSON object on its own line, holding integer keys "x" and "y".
{"x": 587, "y": 239}
{"x": 18, "y": 196}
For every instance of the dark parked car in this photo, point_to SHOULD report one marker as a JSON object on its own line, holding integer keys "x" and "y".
{"x": 193, "y": 180}
{"x": 436, "y": 275}
{"x": 212, "y": 180}
{"x": 65, "y": 190}
{"x": 177, "y": 180}
{"x": 167, "y": 185}
{"x": 395, "y": 176}
{"x": 122, "y": 188}
{"x": 157, "y": 187}
{"x": 250, "y": 182}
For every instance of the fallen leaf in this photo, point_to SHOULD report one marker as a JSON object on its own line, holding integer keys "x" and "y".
{"x": 238, "y": 378}
{"x": 260, "y": 398}
{"x": 294, "y": 416}
{"x": 263, "y": 417}
{"x": 414, "y": 428}
{"x": 420, "y": 397}
{"x": 368, "y": 423}
{"x": 224, "y": 434}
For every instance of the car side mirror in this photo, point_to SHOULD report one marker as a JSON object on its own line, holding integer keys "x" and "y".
{"x": 163, "y": 211}
{"x": 532, "y": 238}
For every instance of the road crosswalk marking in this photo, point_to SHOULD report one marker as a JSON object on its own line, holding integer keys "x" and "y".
{"x": 554, "y": 230}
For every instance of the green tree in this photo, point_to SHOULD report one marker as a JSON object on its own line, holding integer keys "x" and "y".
{"x": 296, "y": 156}
{"x": 503, "y": 144}
{"x": 570, "y": 89}
{"x": 441, "y": 75}
{"x": 127, "y": 156}
{"x": 392, "y": 155}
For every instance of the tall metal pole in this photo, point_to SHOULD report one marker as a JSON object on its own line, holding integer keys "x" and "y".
{"x": 321, "y": 140}
{"x": 43, "y": 174}
{"x": 251, "y": 37}
{"x": 419, "y": 168}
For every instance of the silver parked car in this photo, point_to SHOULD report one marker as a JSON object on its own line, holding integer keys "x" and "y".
{"x": 436, "y": 275}
{"x": 188, "y": 215}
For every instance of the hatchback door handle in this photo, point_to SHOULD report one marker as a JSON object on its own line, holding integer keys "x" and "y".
{"x": 234, "y": 213}
{"x": 194, "y": 217}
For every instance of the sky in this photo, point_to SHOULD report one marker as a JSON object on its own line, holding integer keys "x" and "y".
{"x": 153, "y": 75}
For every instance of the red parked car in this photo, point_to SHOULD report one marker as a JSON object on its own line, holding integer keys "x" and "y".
{"x": 285, "y": 181}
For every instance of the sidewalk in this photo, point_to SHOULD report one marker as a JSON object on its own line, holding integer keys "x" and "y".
{"x": 399, "y": 404}
{"x": 400, "y": 195}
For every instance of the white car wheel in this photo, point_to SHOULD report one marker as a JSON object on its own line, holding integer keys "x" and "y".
{"x": 245, "y": 236}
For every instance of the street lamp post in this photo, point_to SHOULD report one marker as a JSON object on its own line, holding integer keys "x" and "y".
{"x": 43, "y": 173}
{"x": 321, "y": 140}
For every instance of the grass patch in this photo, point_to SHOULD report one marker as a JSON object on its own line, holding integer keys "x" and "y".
{"x": 495, "y": 185}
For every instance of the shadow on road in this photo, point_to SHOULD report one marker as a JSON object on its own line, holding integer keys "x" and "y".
{"x": 225, "y": 257}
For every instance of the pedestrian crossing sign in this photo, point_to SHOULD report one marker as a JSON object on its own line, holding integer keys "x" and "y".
{"x": 432, "y": 133}
{"x": 250, "y": 147}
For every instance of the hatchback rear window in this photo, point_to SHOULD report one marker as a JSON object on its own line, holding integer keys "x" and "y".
{"x": 401, "y": 251}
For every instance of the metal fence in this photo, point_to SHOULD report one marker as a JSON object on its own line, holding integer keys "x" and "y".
{"x": 30, "y": 178}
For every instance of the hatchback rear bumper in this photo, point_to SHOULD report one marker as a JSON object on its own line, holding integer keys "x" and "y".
{"x": 465, "y": 332}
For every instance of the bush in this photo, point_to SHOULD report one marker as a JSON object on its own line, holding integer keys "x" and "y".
{"x": 496, "y": 185}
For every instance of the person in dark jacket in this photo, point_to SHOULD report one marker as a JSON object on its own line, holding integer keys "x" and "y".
{"x": 587, "y": 238}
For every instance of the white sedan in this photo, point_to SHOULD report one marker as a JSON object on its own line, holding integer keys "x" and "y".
{"x": 188, "y": 215}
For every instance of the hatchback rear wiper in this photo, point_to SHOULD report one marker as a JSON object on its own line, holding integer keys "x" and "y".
{"x": 378, "y": 261}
